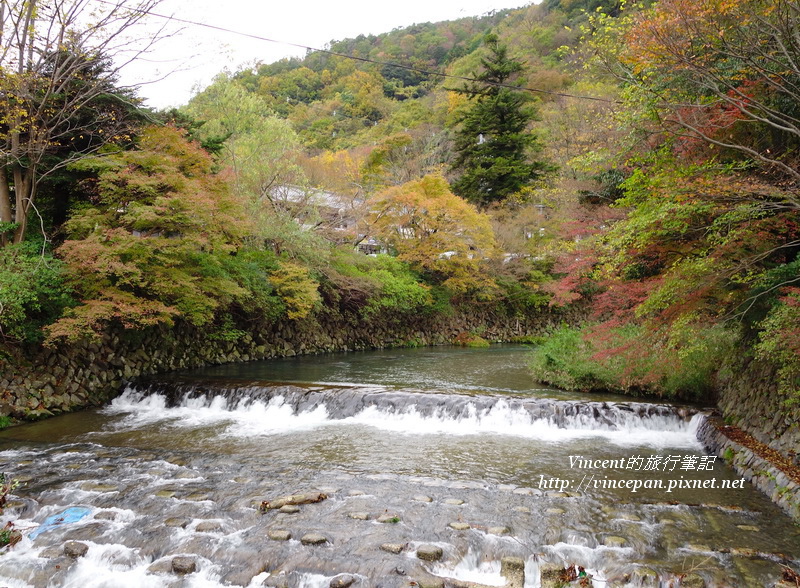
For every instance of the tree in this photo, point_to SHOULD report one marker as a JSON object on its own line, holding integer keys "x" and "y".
{"x": 493, "y": 143}
{"x": 258, "y": 146}
{"x": 436, "y": 232}
{"x": 59, "y": 62}
{"x": 261, "y": 150}
{"x": 159, "y": 244}
{"x": 722, "y": 74}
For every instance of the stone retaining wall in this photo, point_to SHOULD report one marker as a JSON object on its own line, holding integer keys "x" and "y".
{"x": 74, "y": 376}
{"x": 758, "y": 471}
{"x": 748, "y": 398}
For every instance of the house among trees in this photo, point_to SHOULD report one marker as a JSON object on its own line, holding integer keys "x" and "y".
{"x": 334, "y": 215}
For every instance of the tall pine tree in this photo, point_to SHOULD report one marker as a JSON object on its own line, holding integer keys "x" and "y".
{"x": 493, "y": 144}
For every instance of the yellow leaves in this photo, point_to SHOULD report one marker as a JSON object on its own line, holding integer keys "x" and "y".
{"x": 455, "y": 101}
{"x": 436, "y": 231}
{"x": 297, "y": 289}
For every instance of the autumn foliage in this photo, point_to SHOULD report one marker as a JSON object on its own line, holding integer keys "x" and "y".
{"x": 437, "y": 232}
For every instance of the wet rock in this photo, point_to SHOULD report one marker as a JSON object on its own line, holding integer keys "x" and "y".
{"x": 306, "y": 498}
{"x": 400, "y": 571}
{"x": 165, "y": 494}
{"x": 523, "y": 509}
{"x": 343, "y": 581}
{"x": 279, "y": 534}
{"x": 89, "y": 532}
{"x": 645, "y": 577}
{"x": 454, "y": 501}
{"x": 356, "y": 493}
{"x": 183, "y": 565}
{"x": 692, "y": 581}
{"x": 614, "y": 541}
{"x": 423, "y": 498}
{"x": 429, "y": 552}
{"x": 106, "y": 515}
{"x": 208, "y": 527}
{"x": 181, "y": 522}
{"x": 388, "y": 518}
{"x": 393, "y": 547}
{"x": 51, "y": 553}
{"x": 458, "y": 526}
{"x": 313, "y": 539}
{"x": 751, "y": 528}
{"x": 359, "y": 516}
{"x": 97, "y": 487}
{"x": 551, "y": 576}
{"x": 555, "y": 511}
{"x": 75, "y": 549}
{"x": 162, "y": 566}
{"x": 289, "y": 509}
{"x": 197, "y": 497}
{"x": 17, "y": 504}
{"x": 513, "y": 570}
{"x": 498, "y": 531}
{"x": 280, "y": 581}
{"x": 430, "y": 583}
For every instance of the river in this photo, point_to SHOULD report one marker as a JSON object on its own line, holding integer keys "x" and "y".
{"x": 454, "y": 448}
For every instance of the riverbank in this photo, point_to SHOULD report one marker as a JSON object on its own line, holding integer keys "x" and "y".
{"x": 75, "y": 376}
{"x": 771, "y": 472}
{"x": 44, "y": 381}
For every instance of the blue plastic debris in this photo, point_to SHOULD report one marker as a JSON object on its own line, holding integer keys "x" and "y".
{"x": 72, "y": 515}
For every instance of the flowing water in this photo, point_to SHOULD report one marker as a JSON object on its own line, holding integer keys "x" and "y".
{"x": 456, "y": 448}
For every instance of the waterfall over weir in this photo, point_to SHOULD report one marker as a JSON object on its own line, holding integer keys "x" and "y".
{"x": 426, "y": 467}
{"x": 265, "y": 409}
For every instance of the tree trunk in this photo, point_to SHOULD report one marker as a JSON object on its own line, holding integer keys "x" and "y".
{"x": 5, "y": 205}
{"x": 5, "y": 198}
{"x": 23, "y": 190}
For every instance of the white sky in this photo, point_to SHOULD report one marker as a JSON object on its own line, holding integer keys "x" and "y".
{"x": 196, "y": 54}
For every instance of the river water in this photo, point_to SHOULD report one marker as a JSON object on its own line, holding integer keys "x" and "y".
{"x": 456, "y": 448}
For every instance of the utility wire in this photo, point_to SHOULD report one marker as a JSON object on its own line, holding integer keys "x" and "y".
{"x": 366, "y": 59}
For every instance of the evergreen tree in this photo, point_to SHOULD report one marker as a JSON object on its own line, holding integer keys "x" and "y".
{"x": 493, "y": 143}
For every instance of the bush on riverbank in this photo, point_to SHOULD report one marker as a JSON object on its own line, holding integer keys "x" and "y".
{"x": 625, "y": 361}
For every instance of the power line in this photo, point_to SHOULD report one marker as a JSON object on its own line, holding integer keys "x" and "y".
{"x": 366, "y": 59}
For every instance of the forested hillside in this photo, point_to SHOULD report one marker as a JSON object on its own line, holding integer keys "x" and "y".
{"x": 637, "y": 161}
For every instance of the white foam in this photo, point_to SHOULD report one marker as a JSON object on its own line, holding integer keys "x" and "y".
{"x": 470, "y": 569}
{"x": 262, "y": 418}
{"x": 246, "y": 419}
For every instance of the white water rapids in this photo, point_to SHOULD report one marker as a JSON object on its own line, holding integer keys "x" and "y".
{"x": 263, "y": 417}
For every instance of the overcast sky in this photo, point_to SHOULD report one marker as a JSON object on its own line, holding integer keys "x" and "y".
{"x": 196, "y": 54}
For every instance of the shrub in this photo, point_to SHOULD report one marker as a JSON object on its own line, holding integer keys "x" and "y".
{"x": 32, "y": 291}
{"x": 469, "y": 339}
{"x": 631, "y": 359}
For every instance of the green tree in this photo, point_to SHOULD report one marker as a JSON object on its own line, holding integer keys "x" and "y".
{"x": 258, "y": 146}
{"x": 260, "y": 150}
{"x": 159, "y": 244}
{"x": 493, "y": 143}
